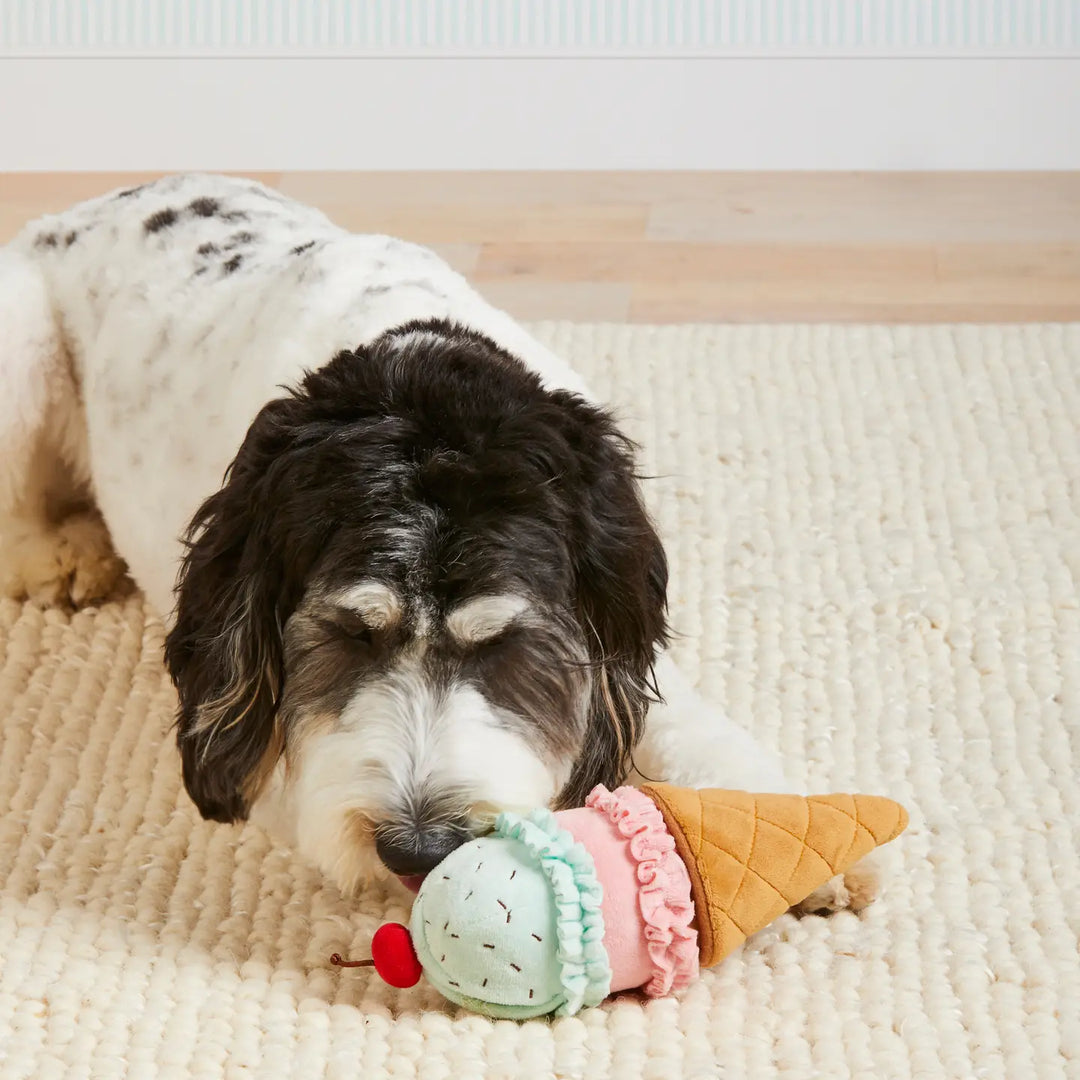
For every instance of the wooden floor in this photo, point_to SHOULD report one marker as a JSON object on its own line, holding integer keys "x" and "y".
{"x": 681, "y": 247}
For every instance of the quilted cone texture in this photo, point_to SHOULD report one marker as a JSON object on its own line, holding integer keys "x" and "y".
{"x": 751, "y": 857}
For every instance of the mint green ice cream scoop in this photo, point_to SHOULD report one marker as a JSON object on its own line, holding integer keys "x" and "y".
{"x": 510, "y": 924}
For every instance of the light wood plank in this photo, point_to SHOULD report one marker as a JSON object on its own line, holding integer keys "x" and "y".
{"x": 654, "y": 306}
{"x": 878, "y": 209}
{"x": 1008, "y": 262}
{"x": 752, "y": 200}
{"x": 466, "y": 223}
{"x": 462, "y": 257}
{"x": 557, "y": 300}
{"x": 755, "y": 299}
{"x": 498, "y": 188}
{"x": 662, "y": 262}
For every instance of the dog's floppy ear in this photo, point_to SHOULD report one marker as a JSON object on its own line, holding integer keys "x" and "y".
{"x": 621, "y": 580}
{"x": 245, "y": 562}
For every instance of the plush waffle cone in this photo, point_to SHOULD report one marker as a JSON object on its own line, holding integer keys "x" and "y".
{"x": 751, "y": 857}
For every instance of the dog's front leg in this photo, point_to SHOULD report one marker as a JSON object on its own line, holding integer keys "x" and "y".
{"x": 691, "y": 742}
{"x": 54, "y": 548}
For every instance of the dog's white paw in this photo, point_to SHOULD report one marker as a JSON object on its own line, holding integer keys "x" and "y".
{"x": 72, "y": 564}
{"x": 853, "y": 891}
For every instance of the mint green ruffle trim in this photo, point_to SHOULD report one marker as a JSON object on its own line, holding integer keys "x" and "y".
{"x": 579, "y": 922}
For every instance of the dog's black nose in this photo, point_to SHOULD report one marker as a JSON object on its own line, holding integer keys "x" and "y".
{"x": 411, "y": 851}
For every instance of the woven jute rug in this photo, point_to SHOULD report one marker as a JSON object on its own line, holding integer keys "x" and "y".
{"x": 875, "y": 544}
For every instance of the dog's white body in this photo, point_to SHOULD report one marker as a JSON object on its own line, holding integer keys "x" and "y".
{"x": 140, "y": 334}
{"x": 173, "y": 367}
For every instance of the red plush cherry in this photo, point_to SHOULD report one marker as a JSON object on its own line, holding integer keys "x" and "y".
{"x": 394, "y": 956}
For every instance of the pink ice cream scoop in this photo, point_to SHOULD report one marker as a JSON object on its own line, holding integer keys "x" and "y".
{"x": 647, "y": 905}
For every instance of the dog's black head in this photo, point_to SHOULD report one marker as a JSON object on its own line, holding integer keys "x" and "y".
{"x": 427, "y": 591}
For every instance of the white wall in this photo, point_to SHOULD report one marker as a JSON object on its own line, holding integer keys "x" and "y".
{"x": 540, "y": 114}
{"x": 535, "y": 84}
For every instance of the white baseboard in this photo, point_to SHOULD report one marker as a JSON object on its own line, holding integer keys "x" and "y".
{"x": 549, "y": 113}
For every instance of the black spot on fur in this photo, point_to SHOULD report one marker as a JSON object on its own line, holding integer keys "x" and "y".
{"x": 71, "y": 238}
{"x": 206, "y": 249}
{"x": 233, "y": 264}
{"x": 235, "y": 215}
{"x": 200, "y": 270}
{"x": 46, "y": 240}
{"x": 239, "y": 238}
{"x": 128, "y": 192}
{"x": 160, "y": 220}
{"x": 204, "y": 207}
{"x": 303, "y": 247}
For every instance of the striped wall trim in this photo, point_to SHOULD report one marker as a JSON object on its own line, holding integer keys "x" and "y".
{"x": 540, "y": 27}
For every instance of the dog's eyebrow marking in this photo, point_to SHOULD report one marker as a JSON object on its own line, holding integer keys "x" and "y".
{"x": 481, "y": 618}
{"x": 378, "y": 605}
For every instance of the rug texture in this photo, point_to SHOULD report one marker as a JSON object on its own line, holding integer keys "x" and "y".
{"x": 875, "y": 545}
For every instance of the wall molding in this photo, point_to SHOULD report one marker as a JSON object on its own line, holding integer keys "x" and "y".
{"x": 542, "y": 28}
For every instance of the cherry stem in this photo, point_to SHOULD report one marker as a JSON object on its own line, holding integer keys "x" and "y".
{"x": 340, "y": 962}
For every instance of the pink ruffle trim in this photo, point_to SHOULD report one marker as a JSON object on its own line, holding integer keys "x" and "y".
{"x": 664, "y": 895}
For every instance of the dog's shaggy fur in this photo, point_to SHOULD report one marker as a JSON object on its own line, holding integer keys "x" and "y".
{"x": 405, "y": 566}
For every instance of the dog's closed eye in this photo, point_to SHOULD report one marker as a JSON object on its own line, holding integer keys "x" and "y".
{"x": 342, "y": 623}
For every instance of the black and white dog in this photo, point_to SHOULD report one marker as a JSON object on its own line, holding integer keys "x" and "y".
{"x": 406, "y": 571}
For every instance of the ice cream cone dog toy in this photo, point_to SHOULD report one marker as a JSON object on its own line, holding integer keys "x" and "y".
{"x": 639, "y": 888}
